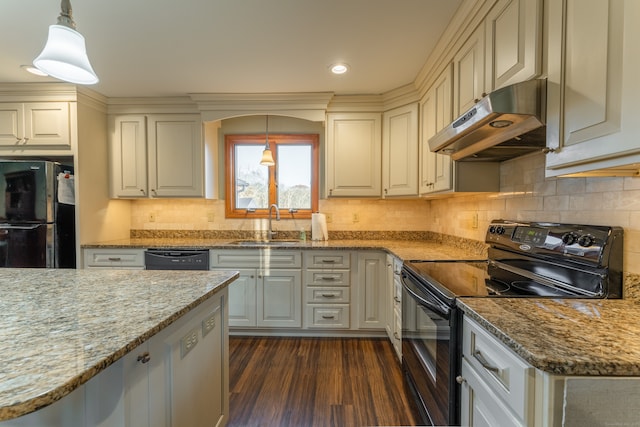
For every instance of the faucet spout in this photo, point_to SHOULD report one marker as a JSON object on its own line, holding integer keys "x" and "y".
{"x": 270, "y": 233}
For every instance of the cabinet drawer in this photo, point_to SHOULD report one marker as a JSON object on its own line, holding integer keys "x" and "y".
{"x": 330, "y": 295}
{"x": 508, "y": 376}
{"x": 113, "y": 258}
{"x": 256, "y": 258}
{"x": 327, "y": 277}
{"x": 327, "y": 316}
{"x": 327, "y": 259}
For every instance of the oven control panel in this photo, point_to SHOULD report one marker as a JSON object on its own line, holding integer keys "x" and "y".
{"x": 584, "y": 242}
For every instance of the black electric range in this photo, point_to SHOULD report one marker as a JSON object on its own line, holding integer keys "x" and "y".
{"x": 525, "y": 259}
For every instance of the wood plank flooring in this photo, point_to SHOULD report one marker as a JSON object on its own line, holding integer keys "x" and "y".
{"x": 304, "y": 382}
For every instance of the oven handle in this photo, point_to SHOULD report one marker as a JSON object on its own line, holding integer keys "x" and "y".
{"x": 431, "y": 304}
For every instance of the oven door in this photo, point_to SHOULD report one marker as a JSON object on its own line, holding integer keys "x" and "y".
{"x": 429, "y": 331}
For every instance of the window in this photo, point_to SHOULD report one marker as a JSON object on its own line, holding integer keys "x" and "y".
{"x": 292, "y": 183}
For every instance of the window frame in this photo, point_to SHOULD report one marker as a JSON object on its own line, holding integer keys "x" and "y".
{"x": 231, "y": 140}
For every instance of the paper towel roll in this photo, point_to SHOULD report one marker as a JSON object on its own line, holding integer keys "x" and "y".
{"x": 319, "y": 227}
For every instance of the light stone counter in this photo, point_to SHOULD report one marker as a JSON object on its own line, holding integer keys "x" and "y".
{"x": 565, "y": 336}
{"x": 59, "y": 328}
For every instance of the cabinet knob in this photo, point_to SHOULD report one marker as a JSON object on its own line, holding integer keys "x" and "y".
{"x": 142, "y": 191}
{"x": 395, "y": 335}
{"x": 460, "y": 379}
{"x": 144, "y": 357}
{"x": 154, "y": 192}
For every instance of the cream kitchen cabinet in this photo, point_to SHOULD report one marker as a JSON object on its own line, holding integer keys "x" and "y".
{"x": 513, "y": 43}
{"x": 400, "y": 151}
{"x": 435, "y": 114}
{"x": 132, "y": 259}
{"x": 353, "y": 155}
{"x": 327, "y": 286}
{"x": 158, "y": 155}
{"x": 592, "y": 86}
{"x": 371, "y": 280}
{"x": 268, "y": 293}
{"x": 499, "y": 388}
{"x": 394, "y": 303}
{"x": 36, "y": 127}
{"x": 469, "y": 72}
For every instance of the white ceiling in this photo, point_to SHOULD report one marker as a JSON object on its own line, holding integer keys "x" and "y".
{"x": 176, "y": 47}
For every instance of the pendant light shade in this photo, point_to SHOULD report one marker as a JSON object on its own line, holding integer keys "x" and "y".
{"x": 65, "y": 56}
{"x": 267, "y": 155}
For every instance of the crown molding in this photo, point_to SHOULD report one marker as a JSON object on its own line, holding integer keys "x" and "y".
{"x": 303, "y": 105}
{"x": 35, "y": 92}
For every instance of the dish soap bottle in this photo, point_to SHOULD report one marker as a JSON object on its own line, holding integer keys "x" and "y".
{"x": 303, "y": 235}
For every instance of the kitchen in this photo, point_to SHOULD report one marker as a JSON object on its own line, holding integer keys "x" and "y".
{"x": 524, "y": 192}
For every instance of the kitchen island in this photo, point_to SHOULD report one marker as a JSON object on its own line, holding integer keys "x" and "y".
{"x": 63, "y": 329}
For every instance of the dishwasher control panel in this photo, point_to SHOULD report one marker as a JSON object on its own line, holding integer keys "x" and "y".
{"x": 176, "y": 259}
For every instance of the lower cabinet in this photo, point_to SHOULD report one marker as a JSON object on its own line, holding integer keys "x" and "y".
{"x": 268, "y": 293}
{"x": 129, "y": 259}
{"x": 498, "y": 388}
{"x": 370, "y": 282}
{"x": 179, "y": 377}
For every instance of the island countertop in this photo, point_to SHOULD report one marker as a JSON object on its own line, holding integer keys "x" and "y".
{"x": 59, "y": 328}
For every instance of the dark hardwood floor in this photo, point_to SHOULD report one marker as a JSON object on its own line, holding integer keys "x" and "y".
{"x": 316, "y": 382}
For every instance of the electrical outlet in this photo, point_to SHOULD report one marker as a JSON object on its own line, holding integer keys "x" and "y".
{"x": 152, "y": 217}
{"x": 356, "y": 217}
{"x": 474, "y": 220}
{"x": 329, "y": 217}
{"x": 211, "y": 216}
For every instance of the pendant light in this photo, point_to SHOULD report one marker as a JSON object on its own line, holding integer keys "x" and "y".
{"x": 267, "y": 156}
{"x": 65, "y": 55}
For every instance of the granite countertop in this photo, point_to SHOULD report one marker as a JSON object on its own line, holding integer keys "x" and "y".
{"x": 404, "y": 249}
{"x": 565, "y": 336}
{"x": 59, "y": 328}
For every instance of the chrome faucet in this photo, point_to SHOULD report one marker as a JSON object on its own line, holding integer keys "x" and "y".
{"x": 270, "y": 233}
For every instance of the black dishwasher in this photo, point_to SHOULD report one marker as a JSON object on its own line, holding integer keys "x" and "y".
{"x": 176, "y": 259}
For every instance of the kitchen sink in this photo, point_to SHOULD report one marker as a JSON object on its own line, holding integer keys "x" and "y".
{"x": 281, "y": 242}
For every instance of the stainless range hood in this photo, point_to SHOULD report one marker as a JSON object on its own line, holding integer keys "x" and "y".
{"x": 505, "y": 124}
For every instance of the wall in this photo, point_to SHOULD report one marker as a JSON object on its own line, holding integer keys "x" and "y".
{"x": 525, "y": 195}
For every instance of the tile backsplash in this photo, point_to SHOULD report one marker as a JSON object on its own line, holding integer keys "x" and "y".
{"x": 524, "y": 195}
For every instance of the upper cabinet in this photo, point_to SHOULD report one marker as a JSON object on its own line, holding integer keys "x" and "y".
{"x": 468, "y": 72}
{"x": 435, "y": 114}
{"x": 513, "y": 40}
{"x": 157, "y": 155}
{"x": 593, "y": 62}
{"x": 400, "y": 151}
{"x": 35, "y": 128}
{"x": 353, "y": 161}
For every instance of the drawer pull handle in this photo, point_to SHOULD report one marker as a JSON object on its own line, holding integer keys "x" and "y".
{"x": 460, "y": 379}
{"x": 328, "y": 278}
{"x": 115, "y": 258}
{"x": 396, "y": 336}
{"x": 329, "y": 261}
{"x": 396, "y": 299}
{"x": 329, "y": 295}
{"x": 324, "y": 316}
{"x": 144, "y": 357}
{"x": 486, "y": 365}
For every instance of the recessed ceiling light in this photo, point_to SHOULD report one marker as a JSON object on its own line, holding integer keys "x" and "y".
{"x": 339, "y": 68}
{"x": 33, "y": 70}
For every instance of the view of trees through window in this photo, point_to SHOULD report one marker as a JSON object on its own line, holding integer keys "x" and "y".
{"x": 291, "y": 183}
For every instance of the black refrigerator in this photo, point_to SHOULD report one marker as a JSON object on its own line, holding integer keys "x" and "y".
{"x": 37, "y": 214}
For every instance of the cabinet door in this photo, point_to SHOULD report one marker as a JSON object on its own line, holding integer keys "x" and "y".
{"x": 242, "y": 299}
{"x": 135, "y": 367}
{"x": 280, "y": 298}
{"x": 371, "y": 285}
{"x": 468, "y": 73}
{"x": 592, "y": 86}
{"x": 513, "y": 42}
{"x": 436, "y": 113}
{"x": 176, "y": 156}
{"x": 400, "y": 151}
{"x": 354, "y": 151}
{"x": 128, "y": 150}
{"x": 11, "y": 123}
{"x": 47, "y": 124}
